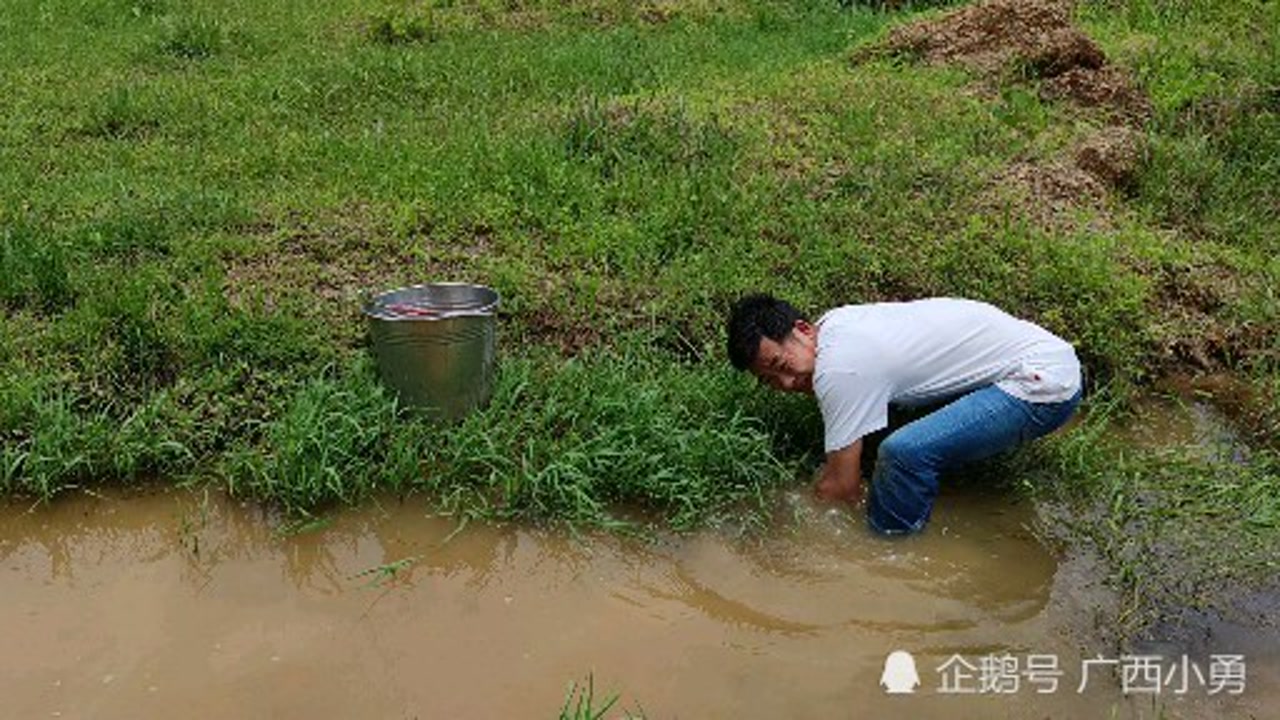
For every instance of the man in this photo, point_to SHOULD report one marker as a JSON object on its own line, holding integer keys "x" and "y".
{"x": 1004, "y": 381}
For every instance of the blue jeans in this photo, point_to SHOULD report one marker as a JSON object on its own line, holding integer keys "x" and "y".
{"x": 977, "y": 425}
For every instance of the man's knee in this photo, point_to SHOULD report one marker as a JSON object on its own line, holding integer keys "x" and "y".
{"x": 903, "y": 454}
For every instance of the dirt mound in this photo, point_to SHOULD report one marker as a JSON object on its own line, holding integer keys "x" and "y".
{"x": 1033, "y": 39}
{"x": 1195, "y": 333}
{"x": 1107, "y": 88}
{"x": 991, "y": 36}
{"x": 1048, "y": 189}
{"x": 1112, "y": 155}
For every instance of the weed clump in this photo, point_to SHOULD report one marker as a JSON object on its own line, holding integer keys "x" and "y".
{"x": 330, "y": 445}
{"x": 397, "y": 26}
{"x": 145, "y": 8}
{"x": 53, "y": 443}
{"x": 122, "y": 338}
{"x": 192, "y": 39}
{"x": 580, "y": 703}
{"x": 614, "y": 134}
{"x": 34, "y": 269}
{"x": 121, "y": 115}
{"x": 1213, "y": 172}
{"x": 611, "y": 433}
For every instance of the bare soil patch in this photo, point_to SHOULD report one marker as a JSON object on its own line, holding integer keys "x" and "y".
{"x": 1015, "y": 41}
{"x": 1006, "y": 42}
{"x": 1046, "y": 192}
{"x": 1198, "y": 334}
{"x": 990, "y": 37}
{"x": 1112, "y": 155}
{"x": 1107, "y": 89}
{"x": 323, "y": 267}
{"x": 1024, "y": 39}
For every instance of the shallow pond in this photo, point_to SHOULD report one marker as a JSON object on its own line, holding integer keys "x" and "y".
{"x": 190, "y": 605}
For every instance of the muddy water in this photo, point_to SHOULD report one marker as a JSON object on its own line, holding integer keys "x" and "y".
{"x": 182, "y": 605}
{"x": 1184, "y": 424}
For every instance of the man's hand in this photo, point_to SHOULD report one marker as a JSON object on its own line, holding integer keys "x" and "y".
{"x": 840, "y": 479}
{"x": 834, "y": 489}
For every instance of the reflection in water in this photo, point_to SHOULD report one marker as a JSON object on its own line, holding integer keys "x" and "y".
{"x": 715, "y": 606}
{"x": 153, "y": 604}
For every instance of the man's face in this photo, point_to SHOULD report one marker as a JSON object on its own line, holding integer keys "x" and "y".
{"x": 788, "y": 365}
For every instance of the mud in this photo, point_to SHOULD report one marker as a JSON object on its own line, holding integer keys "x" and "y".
{"x": 1200, "y": 333}
{"x": 1185, "y": 422}
{"x": 1247, "y": 405}
{"x": 1242, "y": 616}
{"x": 178, "y": 605}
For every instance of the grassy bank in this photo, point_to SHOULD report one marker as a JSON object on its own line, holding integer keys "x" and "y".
{"x": 194, "y": 195}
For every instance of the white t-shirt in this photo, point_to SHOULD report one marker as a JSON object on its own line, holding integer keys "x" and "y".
{"x": 917, "y": 352}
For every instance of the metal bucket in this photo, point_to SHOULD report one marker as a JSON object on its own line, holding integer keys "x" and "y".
{"x": 435, "y": 345}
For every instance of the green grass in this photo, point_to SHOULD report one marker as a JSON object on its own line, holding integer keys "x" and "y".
{"x": 1181, "y": 525}
{"x": 194, "y": 195}
{"x": 587, "y": 442}
{"x": 580, "y": 703}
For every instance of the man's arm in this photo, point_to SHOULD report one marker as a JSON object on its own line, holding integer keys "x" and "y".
{"x": 841, "y": 477}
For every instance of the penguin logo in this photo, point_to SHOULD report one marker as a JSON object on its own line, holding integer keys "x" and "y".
{"x": 900, "y": 675}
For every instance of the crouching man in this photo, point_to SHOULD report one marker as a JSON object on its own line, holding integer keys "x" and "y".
{"x": 999, "y": 381}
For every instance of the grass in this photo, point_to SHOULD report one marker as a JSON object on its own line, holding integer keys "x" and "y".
{"x": 193, "y": 200}
{"x": 648, "y": 436}
{"x": 581, "y": 703}
{"x": 1181, "y": 525}
{"x": 387, "y": 572}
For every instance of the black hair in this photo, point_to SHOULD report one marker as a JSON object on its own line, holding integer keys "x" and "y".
{"x": 754, "y": 317}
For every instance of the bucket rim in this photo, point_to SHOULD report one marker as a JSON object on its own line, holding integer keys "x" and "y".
{"x": 373, "y": 309}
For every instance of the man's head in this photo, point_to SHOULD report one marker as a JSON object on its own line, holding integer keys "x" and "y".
{"x": 774, "y": 341}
